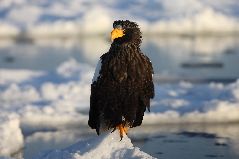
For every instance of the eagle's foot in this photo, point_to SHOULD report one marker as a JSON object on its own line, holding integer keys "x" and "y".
{"x": 122, "y": 129}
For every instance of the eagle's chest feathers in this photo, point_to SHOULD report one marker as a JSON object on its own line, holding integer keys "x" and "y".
{"x": 122, "y": 65}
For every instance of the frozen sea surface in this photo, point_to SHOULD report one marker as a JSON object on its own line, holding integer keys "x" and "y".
{"x": 105, "y": 146}
{"x": 11, "y": 136}
{"x": 45, "y": 89}
{"x": 45, "y": 81}
{"x": 83, "y": 17}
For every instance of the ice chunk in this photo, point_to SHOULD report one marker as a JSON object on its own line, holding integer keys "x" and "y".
{"x": 10, "y": 134}
{"x": 71, "y": 67}
{"x": 80, "y": 17}
{"x": 106, "y": 146}
{"x": 17, "y": 76}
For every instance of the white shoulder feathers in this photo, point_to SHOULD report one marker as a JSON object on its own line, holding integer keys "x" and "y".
{"x": 97, "y": 71}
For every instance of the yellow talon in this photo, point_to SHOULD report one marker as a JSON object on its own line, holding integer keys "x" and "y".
{"x": 126, "y": 130}
{"x": 122, "y": 129}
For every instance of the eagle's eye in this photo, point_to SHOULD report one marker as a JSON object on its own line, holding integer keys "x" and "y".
{"x": 118, "y": 27}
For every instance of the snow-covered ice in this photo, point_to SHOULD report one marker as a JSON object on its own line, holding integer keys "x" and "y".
{"x": 83, "y": 17}
{"x": 8, "y": 75}
{"x": 106, "y": 146}
{"x": 64, "y": 103}
{"x": 34, "y": 100}
{"x": 5, "y": 157}
{"x": 10, "y": 134}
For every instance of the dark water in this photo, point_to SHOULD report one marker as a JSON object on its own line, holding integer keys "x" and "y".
{"x": 162, "y": 141}
{"x": 197, "y": 59}
{"x": 190, "y": 141}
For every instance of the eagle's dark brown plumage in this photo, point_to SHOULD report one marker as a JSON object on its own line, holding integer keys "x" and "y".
{"x": 123, "y": 89}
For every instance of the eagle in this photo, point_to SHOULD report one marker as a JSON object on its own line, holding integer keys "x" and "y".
{"x": 122, "y": 85}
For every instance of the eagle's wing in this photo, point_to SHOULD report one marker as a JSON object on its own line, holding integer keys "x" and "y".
{"x": 142, "y": 73}
{"x": 94, "y": 121}
{"x": 149, "y": 85}
{"x": 124, "y": 90}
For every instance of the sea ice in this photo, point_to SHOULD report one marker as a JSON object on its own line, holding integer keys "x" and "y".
{"x": 51, "y": 105}
{"x": 105, "y": 146}
{"x": 9, "y": 75}
{"x": 10, "y": 134}
{"x": 81, "y": 17}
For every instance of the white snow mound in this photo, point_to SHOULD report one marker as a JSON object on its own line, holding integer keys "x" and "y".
{"x": 18, "y": 75}
{"x": 106, "y": 146}
{"x": 10, "y": 134}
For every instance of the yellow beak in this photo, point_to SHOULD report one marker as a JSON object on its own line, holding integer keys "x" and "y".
{"x": 116, "y": 33}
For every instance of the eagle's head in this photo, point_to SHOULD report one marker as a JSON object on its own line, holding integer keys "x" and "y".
{"x": 126, "y": 32}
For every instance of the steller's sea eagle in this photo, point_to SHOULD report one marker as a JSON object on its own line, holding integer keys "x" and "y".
{"x": 122, "y": 84}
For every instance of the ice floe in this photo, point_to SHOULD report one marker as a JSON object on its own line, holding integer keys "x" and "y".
{"x": 17, "y": 76}
{"x": 58, "y": 105}
{"x": 10, "y": 134}
{"x": 105, "y": 146}
{"x": 81, "y": 17}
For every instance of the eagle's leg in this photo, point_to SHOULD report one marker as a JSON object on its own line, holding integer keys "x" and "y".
{"x": 122, "y": 129}
{"x": 126, "y": 129}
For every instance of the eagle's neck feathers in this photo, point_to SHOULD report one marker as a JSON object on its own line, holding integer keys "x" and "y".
{"x": 128, "y": 48}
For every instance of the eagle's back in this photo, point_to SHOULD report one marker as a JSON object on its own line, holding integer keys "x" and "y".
{"x": 122, "y": 90}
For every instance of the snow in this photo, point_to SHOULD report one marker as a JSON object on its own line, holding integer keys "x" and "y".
{"x": 33, "y": 101}
{"x": 17, "y": 76}
{"x": 80, "y": 17}
{"x": 71, "y": 66}
{"x": 8, "y": 30}
{"x": 56, "y": 105}
{"x": 97, "y": 71}
{"x": 205, "y": 22}
{"x": 10, "y": 134}
{"x": 3, "y": 157}
{"x": 212, "y": 103}
{"x": 105, "y": 146}
{"x": 64, "y": 104}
